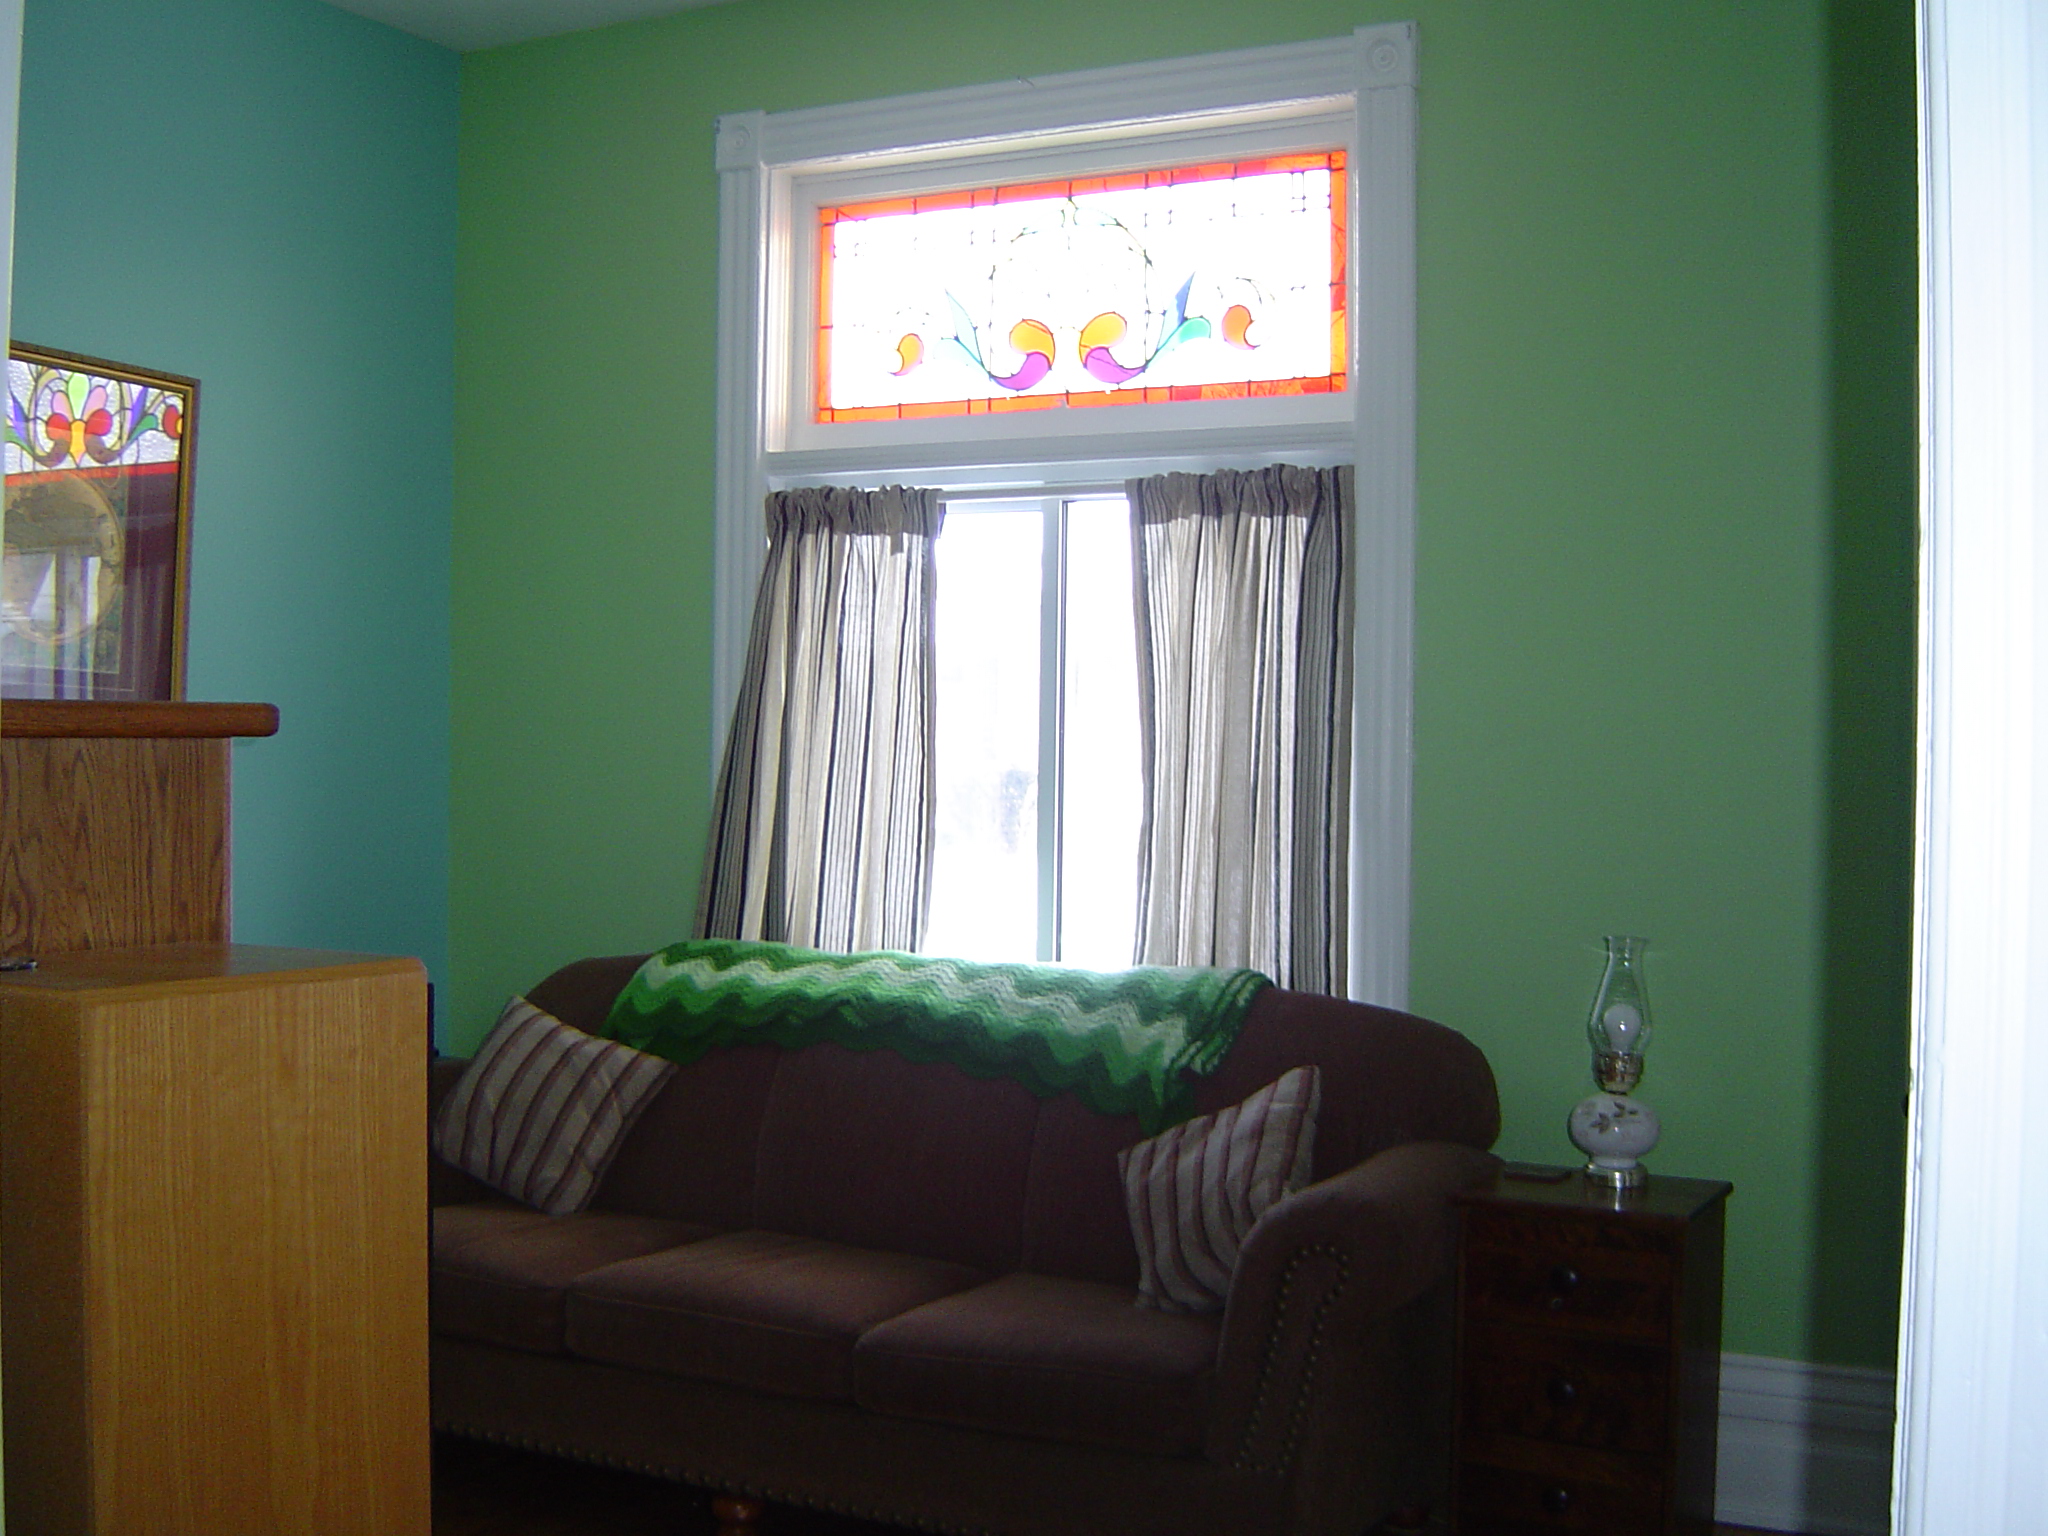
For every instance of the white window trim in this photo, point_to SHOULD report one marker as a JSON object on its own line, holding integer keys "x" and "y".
{"x": 1375, "y": 70}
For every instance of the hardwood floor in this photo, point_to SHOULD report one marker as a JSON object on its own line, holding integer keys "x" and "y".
{"x": 481, "y": 1490}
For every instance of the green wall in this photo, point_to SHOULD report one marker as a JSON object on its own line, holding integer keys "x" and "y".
{"x": 1664, "y": 586}
{"x": 261, "y": 193}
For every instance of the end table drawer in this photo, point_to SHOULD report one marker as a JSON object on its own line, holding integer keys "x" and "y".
{"x": 1505, "y": 1498}
{"x": 1559, "y": 1386}
{"x": 1552, "y": 1285}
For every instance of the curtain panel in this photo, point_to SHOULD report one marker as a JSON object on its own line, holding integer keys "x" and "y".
{"x": 822, "y": 822}
{"x": 1244, "y": 683}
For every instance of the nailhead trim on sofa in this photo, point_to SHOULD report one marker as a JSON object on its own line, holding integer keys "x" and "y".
{"x": 1245, "y": 1459}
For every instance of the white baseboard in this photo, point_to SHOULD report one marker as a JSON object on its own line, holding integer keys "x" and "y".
{"x": 1804, "y": 1448}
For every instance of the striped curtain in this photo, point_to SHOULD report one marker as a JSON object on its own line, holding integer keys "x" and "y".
{"x": 821, "y": 830}
{"x": 1244, "y": 683}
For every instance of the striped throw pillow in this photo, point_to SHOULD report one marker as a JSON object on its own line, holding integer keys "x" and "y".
{"x": 1194, "y": 1193}
{"x": 542, "y": 1109}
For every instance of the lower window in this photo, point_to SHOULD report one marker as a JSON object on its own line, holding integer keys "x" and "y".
{"x": 1040, "y": 798}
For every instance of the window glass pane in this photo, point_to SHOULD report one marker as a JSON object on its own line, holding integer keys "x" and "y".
{"x": 985, "y": 864}
{"x": 1198, "y": 282}
{"x": 1103, "y": 802}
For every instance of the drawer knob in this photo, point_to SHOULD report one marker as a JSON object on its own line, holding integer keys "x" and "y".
{"x": 1563, "y": 1281}
{"x": 1557, "y": 1501}
{"x": 1563, "y": 1391}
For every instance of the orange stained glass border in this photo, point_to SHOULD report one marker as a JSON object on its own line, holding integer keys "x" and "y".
{"x": 1334, "y": 382}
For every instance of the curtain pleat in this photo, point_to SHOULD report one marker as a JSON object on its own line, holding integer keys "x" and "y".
{"x": 821, "y": 829}
{"x": 1244, "y": 680}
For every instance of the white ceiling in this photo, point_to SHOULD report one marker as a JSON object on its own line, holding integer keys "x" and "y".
{"x": 467, "y": 24}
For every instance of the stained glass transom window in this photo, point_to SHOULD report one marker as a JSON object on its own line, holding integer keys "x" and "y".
{"x": 1206, "y": 282}
{"x": 73, "y": 419}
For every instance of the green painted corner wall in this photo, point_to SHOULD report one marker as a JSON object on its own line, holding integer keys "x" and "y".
{"x": 261, "y": 193}
{"x": 1665, "y": 552}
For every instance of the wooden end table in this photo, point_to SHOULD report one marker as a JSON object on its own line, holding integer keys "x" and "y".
{"x": 1589, "y": 1355}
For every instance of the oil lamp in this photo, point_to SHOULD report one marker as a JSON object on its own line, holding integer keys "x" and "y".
{"x": 1611, "y": 1128}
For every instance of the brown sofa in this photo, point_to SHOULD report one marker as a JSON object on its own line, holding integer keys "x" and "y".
{"x": 846, "y": 1280}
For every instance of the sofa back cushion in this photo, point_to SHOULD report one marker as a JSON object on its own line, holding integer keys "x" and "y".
{"x": 857, "y": 1147}
{"x": 869, "y": 1149}
{"x": 691, "y": 1156}
{"x": 1387, "y": 1078}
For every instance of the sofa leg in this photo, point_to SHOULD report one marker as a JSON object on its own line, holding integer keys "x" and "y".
{"x": 737, "y": 1516}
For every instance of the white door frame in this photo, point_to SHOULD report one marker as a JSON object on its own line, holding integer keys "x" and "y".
{"x": 1972, "y": 1450}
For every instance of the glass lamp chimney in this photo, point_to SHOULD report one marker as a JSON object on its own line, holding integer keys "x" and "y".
{"x": 1619, "y": 1025}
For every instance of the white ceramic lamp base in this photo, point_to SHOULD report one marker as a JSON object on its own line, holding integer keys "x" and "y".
{"x": 1614, "y": 1131}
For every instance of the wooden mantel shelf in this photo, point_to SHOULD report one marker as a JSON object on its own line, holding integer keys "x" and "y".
{"x": 153, "y": 718}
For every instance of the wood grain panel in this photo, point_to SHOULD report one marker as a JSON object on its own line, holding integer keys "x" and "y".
{"x": 1552, "y": 1500}
{"x": 253, "y": 1311}
{"x": 1697, "y": 1402}
{"x": 1589, "y": 1341}
{"x": 1557, "y": 1386}
{"x": 1558, "y": 1284}
{"x": 46, "y": 1407}
{"x": 140, "y": 717}
{"x": 1511, "y": 1228}
{"x": 158, "y": 968}
{"x": 106, "y": 843}
{"x": 1580, "y": 1463}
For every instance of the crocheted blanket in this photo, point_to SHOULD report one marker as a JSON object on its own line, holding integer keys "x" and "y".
{"x": 1127, "y": 1042}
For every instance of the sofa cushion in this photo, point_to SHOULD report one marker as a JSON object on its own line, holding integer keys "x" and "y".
{"x": 763, "y": 1310}
{"x": 1050, "y": 1357}
{"x": 500, "y": 1269}
{"x": 1196, "y": 1191}
{"x": 543, "y": 1108}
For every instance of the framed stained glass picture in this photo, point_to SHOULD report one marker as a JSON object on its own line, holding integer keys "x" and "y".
{"x": 98, "y": 528}
{"x": 1217, "y": 281}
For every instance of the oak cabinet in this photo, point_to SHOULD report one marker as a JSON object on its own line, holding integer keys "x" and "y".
{"x": 213, "y": 1243}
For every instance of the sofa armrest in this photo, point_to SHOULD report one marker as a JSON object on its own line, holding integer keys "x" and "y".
{"x": 1319, "y": 1277}
{"x": 446, "y": 1184}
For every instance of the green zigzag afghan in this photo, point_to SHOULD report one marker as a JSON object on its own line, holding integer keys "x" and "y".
{"x": 1126, "y": 1042}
